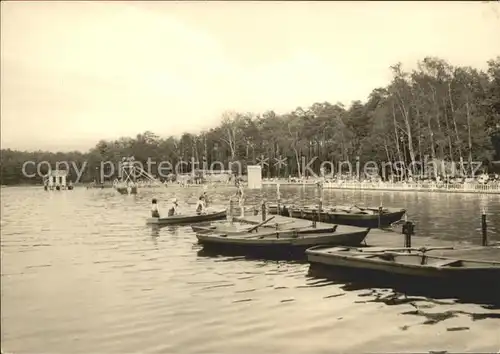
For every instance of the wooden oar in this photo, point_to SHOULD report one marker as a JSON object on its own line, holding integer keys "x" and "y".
{"x": 421, "y": 249}
{"x": 260, "y": 224}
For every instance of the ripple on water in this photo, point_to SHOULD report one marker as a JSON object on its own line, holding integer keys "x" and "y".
{"x": 84, "y": 274}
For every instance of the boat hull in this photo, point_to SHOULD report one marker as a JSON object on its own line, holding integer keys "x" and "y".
{"x": 188, "y": 219}
{"x": 225, "y": 228}
{"x": 342, "y": 218}
{"x": 282, "y": 244}
{"x": 409, "y": 267}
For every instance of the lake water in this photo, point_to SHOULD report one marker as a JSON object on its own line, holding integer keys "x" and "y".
{"x": 82, "y": 273}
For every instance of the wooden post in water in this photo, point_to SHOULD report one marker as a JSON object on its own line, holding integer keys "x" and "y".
{"x": 313, "y": 218}
{"x": 263, "y": 210}
{"x": 320, "y": 202}
{"x": 231, "y": 210}
{"x": 408, "y": 231}
{"x": 380, "y": 216}
{"x": 484, "y": 228}
{"x": 320, "y": 207}
{"x": 278, "y": 197}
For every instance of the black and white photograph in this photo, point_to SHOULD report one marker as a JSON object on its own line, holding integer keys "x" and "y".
{"x": 221, "y": 177}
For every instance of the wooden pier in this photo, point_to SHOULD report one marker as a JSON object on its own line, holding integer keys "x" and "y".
{"x": 391, "y": 239}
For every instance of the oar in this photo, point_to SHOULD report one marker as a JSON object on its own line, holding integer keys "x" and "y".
{"x": 319, "y": 231}
{"x": 260, "y": 224}
{"x": 421, "y": 249}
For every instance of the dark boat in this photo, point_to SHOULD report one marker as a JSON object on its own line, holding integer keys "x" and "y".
{"x": 343, "y": 215}
{"x": 412, "y": 265}
{"x": 94, "y": 185}
{"x": 281, "y": 243}
{"x": 188, "y": 218}
{"x": 127, "y": 190}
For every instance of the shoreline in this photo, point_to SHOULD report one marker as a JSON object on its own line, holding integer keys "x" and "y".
{"x": 396, "y": 187}
{"x": 359, "y": 186}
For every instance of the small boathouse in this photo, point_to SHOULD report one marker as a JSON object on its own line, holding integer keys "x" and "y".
{"x": 56, "y": 179}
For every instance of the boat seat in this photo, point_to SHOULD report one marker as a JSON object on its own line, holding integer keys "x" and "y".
{"x": 446, "y": 262}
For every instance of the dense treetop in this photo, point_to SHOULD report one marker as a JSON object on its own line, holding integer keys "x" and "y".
{"x": 438, "y": 110}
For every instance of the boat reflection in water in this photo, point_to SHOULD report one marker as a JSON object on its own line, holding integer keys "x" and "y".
{"x": 353, "y": 279}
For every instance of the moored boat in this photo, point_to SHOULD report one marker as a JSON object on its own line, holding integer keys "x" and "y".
{"x": 343, "y": 215}
{"x": 130, "y": 189}
{"x": 289, "y": 242}
{"x": 408, "y": 264}
{"x": 188, "y": 218}
{"x": 225, "y": 228}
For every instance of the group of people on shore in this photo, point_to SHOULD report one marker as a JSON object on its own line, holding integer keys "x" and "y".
{"x": 201, "y": 204}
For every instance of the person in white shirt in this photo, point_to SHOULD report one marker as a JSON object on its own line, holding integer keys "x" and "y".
{"x": 205, "y": 199}
{"x": 200, "y": 205}
{"x": 173, "y": 208}
{"x": 239, "y": 194}
{"x": 155, "y": 212}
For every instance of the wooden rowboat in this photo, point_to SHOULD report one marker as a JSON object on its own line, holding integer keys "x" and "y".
{"x": 412, "y": 264}
{"x": 281, "y": 242}
{"x": 234, "y": 229}
{"x": 343, "y": 215}
{"x": 188, "y": 218}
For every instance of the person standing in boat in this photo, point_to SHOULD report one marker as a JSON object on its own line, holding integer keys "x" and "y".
{"x": 205, "y": 198}
{"x": 155, "y": 212}
{"x": 173, "y": 209}
{"x": 239, "y": 194}
{"x": 200, "y": 205}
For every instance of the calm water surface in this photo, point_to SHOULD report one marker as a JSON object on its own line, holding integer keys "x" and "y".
{"x": 82, "y": 273}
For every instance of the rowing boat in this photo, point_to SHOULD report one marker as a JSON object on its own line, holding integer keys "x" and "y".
{"x": 413, "y": 264}
{"x": 236, "y": 228}
{"x": 343, "y": 215}
{"x": 282, "y": 242}
{"x": 188, "y": 218}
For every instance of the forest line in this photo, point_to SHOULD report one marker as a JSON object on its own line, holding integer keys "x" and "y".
{"x": 436, "y": 112}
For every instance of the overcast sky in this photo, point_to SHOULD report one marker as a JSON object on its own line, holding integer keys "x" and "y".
{"x": 75, "y": 72}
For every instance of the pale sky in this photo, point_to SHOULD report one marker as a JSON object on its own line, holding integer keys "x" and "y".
{"x": 76, "y": 72}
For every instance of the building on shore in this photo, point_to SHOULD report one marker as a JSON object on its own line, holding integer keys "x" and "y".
{"x": 57, "y": 180}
